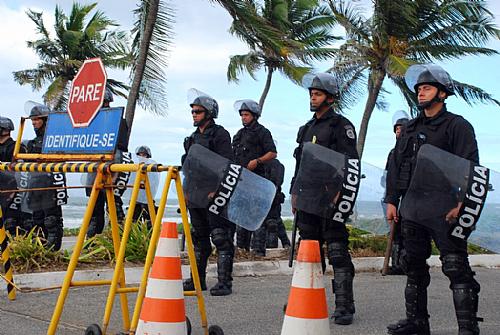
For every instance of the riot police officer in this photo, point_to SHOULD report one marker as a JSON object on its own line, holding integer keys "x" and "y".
{"x": 253, "y": 146}
{"x": 97, "y": 220}
{"x": 207, "y": 226}
{"x": 11, "y": 208}
{"x": 47, "y": 213}
{"x": 141, "y": 210}
{"x": 399, "y": 119}
{"x": 437, "y": 126}
{"x": 332, "y": 130}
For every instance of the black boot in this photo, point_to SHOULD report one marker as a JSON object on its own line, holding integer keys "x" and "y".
{"x": 395, "y": 268}
{"x": 417, "y": 321}
{"x": 465, "y": 299}
{"x": 224, "y": 274}
{"x": 201, "y": 264}
{"x": 344, "y": 299}
{"x": 55, "y": 232}
{"x": 92, "y": 229}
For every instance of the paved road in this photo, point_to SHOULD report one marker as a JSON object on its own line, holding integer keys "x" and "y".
{"x": 255, "y": 308}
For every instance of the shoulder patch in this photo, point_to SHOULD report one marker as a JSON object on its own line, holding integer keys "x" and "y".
{"x": 349, "y": 132}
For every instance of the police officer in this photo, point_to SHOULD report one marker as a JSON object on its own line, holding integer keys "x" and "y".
{"x": 275, "y": 172}
{"x": 400, "y": 118}
{"x": 97, "y": 221}
{"x": 207, "y": 226}
{"x": 334, "y": 131}
{"x": 450, "y": 132}
{"x": 253, "y": 146}
{"x": 141, "y": 209}
{"x": 49, "y": 218}
{"x": 11, "y": 209}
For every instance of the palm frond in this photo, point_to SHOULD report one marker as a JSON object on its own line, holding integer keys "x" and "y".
{"x": 250, "y": 63}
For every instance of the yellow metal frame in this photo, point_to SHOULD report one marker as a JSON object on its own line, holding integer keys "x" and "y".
{"x": 5, "y": 253}
{"x": 102, "y": 181}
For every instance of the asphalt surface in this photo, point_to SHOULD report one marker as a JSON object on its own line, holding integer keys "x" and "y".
{"x": 256, "y": 307}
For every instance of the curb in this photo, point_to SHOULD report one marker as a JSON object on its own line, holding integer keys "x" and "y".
{"x": 242, "y": 269}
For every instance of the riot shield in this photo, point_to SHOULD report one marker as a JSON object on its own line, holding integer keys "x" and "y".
{"x": 226, "y": 189}
{"x": 441, "y": 182}
{"x": 47, "y": 190}
{"x": 154, "y": 181}
{"x": 326, "y": 176}
{"x": 8, "y": 187}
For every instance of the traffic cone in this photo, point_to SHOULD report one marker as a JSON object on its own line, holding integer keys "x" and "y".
{"x": 307, "y": 311}
{"x": 163, "y": 311}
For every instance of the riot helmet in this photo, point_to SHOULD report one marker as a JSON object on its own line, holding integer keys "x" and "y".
{"x": 108, "y": 96}
{"x": 429, "y": 74}
{"x": 249, "y": 106}
{"x": 143, "y": 149}
{"x": 399, "y": 118}
{"x": 196, "y": 97}
{"x": 324, "y": 82}
{"x": 35, "y": 109}
{"x": 6, "y": 124}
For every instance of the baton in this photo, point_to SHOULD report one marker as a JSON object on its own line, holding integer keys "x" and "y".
{"x": 294, "y": 234}
{"x": 388, "y": 249}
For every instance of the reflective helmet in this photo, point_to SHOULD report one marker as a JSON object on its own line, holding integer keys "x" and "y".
{"x": 108, "y": 95}
{"x": 248, "y": 105}
{"x": 321, "y": 81}
{"x": 430, "y": 74}
{"x": 199, "y": 98}
{"x": 143, "y": 149}
{"x": 399, "y": 118}
{"x": 35, "y": 109}
{"x": 6, "y": 123}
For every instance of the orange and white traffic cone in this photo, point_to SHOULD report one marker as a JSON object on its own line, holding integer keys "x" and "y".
{"x": 163, "y": 311}
{"x": 307, "y": 311}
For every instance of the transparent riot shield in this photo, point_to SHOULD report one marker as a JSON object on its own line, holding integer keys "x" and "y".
{"x": 441, "y": 182}
{"x": 46, "y": 190}
{"x": 154, "y": 181}
{"x": 226, "y": 189}
{"x": 8, "y": 187}
{"x": 326, "y": 184}
{"x": 370, "y": 209}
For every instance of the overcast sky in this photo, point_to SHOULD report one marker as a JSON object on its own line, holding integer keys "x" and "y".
{"x": 199, "y": 58}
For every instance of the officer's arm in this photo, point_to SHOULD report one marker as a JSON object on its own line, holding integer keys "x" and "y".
{"x": 464, "y": 142}
{"x": 347, "y": 140}
{"x": 392, "y": 192}
{"x": 268, "y": 147}
{"x": 297, "y": 153}
{"x": 223, "y": 144}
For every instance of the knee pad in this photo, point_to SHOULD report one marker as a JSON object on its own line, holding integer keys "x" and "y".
{"x": 220, "y": 238}
{"x": 457, "y": 269}
{"x": 201, "y": 240}
{"x": 272, "y": 225}
{"x": 338, "y": 255}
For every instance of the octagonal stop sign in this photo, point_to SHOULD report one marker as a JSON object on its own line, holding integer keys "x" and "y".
{"x": 87, "y": 92}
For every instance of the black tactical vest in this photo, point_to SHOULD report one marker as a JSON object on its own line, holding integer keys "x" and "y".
{"x": 247, "y": 144}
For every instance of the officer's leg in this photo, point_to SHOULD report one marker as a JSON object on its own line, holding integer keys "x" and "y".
{"x": 413, "y": 261}
{"x": 38, "y": 217}
{"x": 465, "y": 288}
{"x": 243, "y": 237}
{"x": 259, "y": 240}
{"x": 220, "y": 233}
{"x": 119, "y": 209}
{"x": 200, "y": 232}
{"x": 337, "y": 239}
{"x": 282, "y": 234}
{"x": 54, "y": 224}
{"x": 96, "y": 225}
{"x": 272, "y": 233}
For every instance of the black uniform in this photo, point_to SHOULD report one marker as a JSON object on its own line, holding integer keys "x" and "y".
{"x": 206, "y": 225}
{"x": 454, "y": 134}
{"x": 275, "y": 172}
{"x": 252, "y": 142}
{"x": 11, "y": 210}
{"x": 49, "y": 218}
{"x": 337, "y": 133}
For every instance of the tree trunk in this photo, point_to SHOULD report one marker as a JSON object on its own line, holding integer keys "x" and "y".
{"x": 375, "y": 81}
{"x": 140, "y": 62}
{"x": 263, "y": 97}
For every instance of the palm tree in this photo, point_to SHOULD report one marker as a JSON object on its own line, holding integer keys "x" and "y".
{"x": 152, "y": 38}
{"x": 404, "y": 32}
{"x": 77, "y": 38}
{"x": 305, "y": 25}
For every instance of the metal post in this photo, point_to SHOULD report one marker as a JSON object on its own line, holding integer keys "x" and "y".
{"x": 5, "y": 251}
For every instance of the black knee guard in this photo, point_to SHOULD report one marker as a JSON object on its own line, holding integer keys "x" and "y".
{"x": 55, "y": 232}
{"x": 201, "y": 241}
{"x": 221, "y": 239}
{"x": 338, "y": 255}
{"x": 465, "y": 299}
{"x": 10, "y": 226}
{"x": 456, "y": 267}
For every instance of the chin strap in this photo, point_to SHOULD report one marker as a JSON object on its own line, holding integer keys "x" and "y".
{"x": 426, "y": 104}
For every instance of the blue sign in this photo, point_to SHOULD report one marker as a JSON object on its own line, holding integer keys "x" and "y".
{"x": 100, "y": 137}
